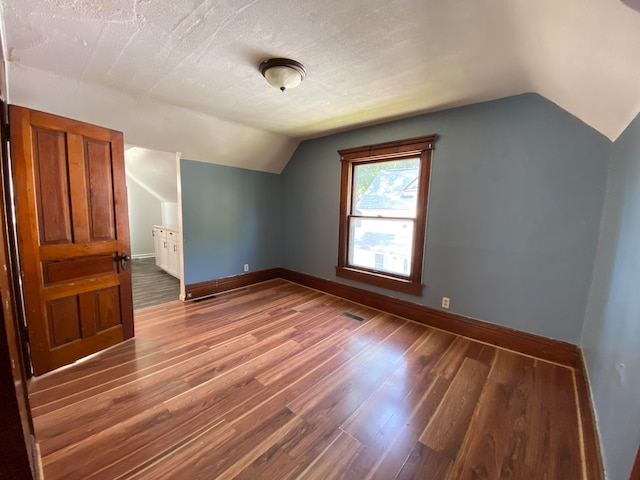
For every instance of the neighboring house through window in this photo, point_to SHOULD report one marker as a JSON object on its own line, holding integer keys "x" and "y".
{"x": 383, "y": 211}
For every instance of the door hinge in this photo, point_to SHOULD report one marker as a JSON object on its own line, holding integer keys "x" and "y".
{"x": 24, "y": 334}
{"x": 6, "y": 132}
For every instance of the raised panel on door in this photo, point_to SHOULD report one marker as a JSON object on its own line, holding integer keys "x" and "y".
{"x": 107, "y": 312}
{"x": 100, "y": 181}
{"x": 63, "y": 321}
{"x": 73, "y": 229}
{"x": 52, "y": 186}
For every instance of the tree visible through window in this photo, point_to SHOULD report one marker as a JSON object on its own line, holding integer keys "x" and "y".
{"x": 383, "y": 207}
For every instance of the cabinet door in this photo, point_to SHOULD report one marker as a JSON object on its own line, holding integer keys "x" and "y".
{"x": 172, "y": 258}
{"x": 173, "y": 264}
{"x": 157, "y": 244}
{"x": 163, "y": 259}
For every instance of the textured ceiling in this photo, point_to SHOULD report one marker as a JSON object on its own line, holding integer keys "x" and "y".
{"x": 367, "y": 61}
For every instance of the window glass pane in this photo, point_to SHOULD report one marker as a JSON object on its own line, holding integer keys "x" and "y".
{"x": 386, "y": 189}
{"x": 381, "y": 245}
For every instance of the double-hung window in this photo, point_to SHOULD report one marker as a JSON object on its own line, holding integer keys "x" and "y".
{"x": 383, "y": 213}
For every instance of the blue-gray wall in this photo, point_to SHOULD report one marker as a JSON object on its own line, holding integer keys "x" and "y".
{"x": 611, "y": 335}
{"x": 230, "y": 216}
{"x": 517, "y": 190}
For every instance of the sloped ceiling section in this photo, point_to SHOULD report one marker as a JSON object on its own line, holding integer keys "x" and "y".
{"x": 149, "y": 123}
{"x": 585, "y": 57}
{"x": 194, "y": 64}
{"x": 155, "y": 171}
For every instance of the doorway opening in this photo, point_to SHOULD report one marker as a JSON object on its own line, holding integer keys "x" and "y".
{"x": 155, "y": 225}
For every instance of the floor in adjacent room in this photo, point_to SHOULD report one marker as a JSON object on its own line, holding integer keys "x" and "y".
{"x": 273, "y": 381}
{"x": 151, "y": 285}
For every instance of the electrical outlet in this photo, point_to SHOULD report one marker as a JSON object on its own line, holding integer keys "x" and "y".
{"x": 246, "y": 267}
{"x": 445, "y": 302}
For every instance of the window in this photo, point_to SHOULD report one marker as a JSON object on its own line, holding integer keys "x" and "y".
{"x": 383, "y": 213}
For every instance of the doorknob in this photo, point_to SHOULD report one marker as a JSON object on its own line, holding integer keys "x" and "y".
{"x": 124, "y": 258}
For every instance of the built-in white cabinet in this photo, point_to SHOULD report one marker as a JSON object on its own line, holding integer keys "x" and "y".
{"x": 167, "y": 245}
{"x": 173, "y": 263}
{"x": 159, "y": 237}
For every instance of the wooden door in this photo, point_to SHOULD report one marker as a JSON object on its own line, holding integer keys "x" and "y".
{"x": 73, "y": 236}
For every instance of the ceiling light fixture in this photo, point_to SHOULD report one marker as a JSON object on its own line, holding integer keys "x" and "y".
{"x": 283, "y": 73}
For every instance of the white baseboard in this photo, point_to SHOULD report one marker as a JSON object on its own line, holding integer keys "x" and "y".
{"x": 143, "y": 255}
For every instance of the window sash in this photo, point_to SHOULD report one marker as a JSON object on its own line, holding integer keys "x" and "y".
{"x": 400, "y": 204}
{"x": 421, "y": 148}
{"x": 387, "y": 244}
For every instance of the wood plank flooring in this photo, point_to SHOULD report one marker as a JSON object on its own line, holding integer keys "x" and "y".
{"x": 151, "y": 285}
{"x": 273, "y": 382}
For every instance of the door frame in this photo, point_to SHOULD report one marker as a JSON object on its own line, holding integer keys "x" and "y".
{"x": 19, "y": 458}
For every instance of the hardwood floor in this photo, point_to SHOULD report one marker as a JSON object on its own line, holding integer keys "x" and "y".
{"x": 151, "y": 285}
{"x": 272, "y": 381}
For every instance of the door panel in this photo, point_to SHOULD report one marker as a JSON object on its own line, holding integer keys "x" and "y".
{"x": 52, "y": 188}
{"x": 65, "y": 270}
{"x": 71, "y": 211}
{"x": 101, "y": 213}
{"x": 63, "y": 315}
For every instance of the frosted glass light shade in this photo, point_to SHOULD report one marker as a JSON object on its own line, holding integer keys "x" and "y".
{"x": 283, "y": 73}
{"x": 283, "y": 77}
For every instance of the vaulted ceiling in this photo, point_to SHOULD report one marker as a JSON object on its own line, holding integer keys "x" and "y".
{"x": 195, "y": 63}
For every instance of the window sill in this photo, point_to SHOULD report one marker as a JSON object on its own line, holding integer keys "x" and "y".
{"x": 379, "y": 280}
